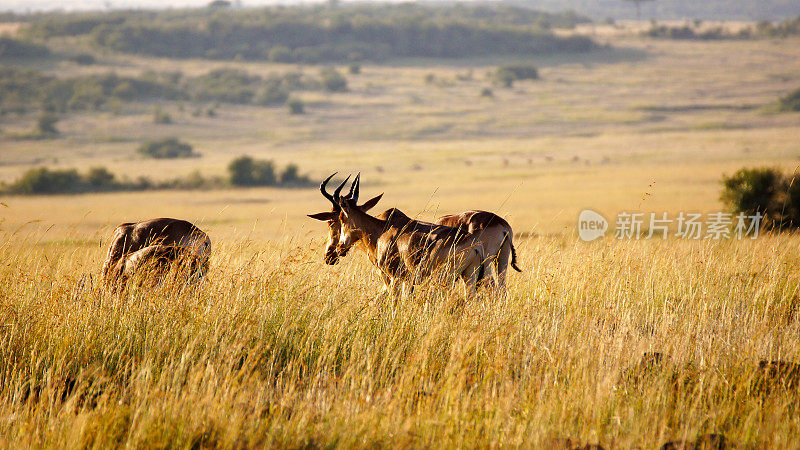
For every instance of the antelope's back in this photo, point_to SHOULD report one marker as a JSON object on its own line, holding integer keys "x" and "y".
{"x": 474, "y": 220}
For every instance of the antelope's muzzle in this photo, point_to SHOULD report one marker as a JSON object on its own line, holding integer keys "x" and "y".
{"x": 331, "y": 258}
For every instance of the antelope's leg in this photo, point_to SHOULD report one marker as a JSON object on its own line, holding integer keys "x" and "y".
{"x": 116, "y": 250}
{"x": 501, "y": 263}
{"x": 471, "y": 270}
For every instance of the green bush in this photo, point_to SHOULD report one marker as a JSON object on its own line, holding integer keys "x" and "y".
{"x": 246, "y": 171}
{"x": 296, "y": 106}
{"x": 227, "y": 85}
{"x": 46, "y": 181}
{"x": 332, "y": 80}
{"x": 99, "y": 178}
{"x": 83, "y": 59}
{"x": 46, "y": 125}
{"x": 506, "y": 75}
{"x": 791, "y": 102}
{"x": 13, "y": 48}
{"x": 167, "y": 148}
{"x": 767, "y": 191}
{"x": 291, "y": 177}
{"x": 161, "y": 117}
{"x": 272, "y": 94}
{"x": 503, "y": 78}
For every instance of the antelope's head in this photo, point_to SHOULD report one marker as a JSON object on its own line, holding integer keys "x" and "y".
{"x": 338, "y": 247}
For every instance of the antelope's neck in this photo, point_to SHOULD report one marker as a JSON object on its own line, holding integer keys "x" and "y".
{"x": 371, "y": 228}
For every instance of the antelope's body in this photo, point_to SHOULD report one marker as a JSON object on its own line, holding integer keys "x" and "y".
{"x": 491, "y": 230}
{"x": 405, "y": 251}
{"x": 495, "y": 234}
{"x": 156, "y": 242}
{"x": 408, "y": 252}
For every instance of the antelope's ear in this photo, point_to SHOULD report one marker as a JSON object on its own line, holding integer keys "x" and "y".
{"x": 324, "y": 216}
{"x": 369, "y": 204}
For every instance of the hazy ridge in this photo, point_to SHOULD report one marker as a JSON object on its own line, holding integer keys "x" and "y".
{"x": 598, "y": 9}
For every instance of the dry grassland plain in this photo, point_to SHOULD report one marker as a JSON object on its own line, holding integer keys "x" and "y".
{"x": 277, "y": 349}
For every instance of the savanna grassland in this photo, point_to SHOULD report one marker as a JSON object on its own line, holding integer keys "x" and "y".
{"x": 276, "y": 349}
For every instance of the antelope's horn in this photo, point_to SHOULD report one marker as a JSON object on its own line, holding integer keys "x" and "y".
{"x": 325, "y": 192}
{"x": 338, "y": 190}
{"x": 355, "y": 188}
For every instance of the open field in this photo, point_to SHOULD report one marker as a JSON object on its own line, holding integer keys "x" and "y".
{"x": 278, "y": 349}
{"x": 675, "y": 113}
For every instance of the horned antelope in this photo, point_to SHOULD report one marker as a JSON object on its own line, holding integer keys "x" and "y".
{"x": 155, "y": 243}
{"x": 409, "y": 254}
{"x": 493, "y": 231}
{"x": 332, "y": 218}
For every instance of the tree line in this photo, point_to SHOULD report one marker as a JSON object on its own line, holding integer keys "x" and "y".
{"x": 23, "y": 90}
{"x": 693, "y": 30}
{"x": 312, "y": 34}
{"x": 243, "y": 171}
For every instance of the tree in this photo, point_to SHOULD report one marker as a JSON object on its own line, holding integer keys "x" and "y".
{"x": 167, "y": 148}
{"x": 767, "y": 191}
{"x": 241, "y": 171}
{"x": 296, "y": 106}
{"x": 99, "y": 178}
{"x": 638, "y": 7}
{"x": 791, "y": 102}
{"x": 46, "y": 125}
{"x": 246, "y": 171}
{"x": 332, "y": 80}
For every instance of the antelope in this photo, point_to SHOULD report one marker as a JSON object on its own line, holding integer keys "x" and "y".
{"x": 332, "y": 218}
{"x": 494, "y": 232}
{"x": 411, "y": 252}
{"x": 157, "y": 243}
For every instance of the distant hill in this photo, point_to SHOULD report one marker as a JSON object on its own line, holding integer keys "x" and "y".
{"x": 673, "y": 9}
{"x": 322, "y": 33}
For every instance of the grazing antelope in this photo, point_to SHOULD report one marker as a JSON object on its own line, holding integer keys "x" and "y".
{"x": 406, "y": 254}
{"x": 159, "y": 243}
{"x": 494, "y": 232}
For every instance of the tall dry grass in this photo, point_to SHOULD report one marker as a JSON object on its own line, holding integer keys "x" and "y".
{"x": 276, "y": 349}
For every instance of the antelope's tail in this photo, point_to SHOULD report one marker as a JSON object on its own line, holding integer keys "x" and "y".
{"x": 513, "y": 253}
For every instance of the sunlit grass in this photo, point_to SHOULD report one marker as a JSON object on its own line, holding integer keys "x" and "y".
{"x": 275, "y": 348}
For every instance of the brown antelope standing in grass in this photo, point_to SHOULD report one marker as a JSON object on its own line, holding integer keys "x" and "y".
{"x": 409, "y": 253}
{"x": 493, "y": 231}
{"x": 495, "y": 234}
{"x": 156, "y": 244}
{"x": 332, "y": 218}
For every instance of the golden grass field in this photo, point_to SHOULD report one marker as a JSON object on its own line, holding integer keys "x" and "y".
{"x": 276, "y": 349}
